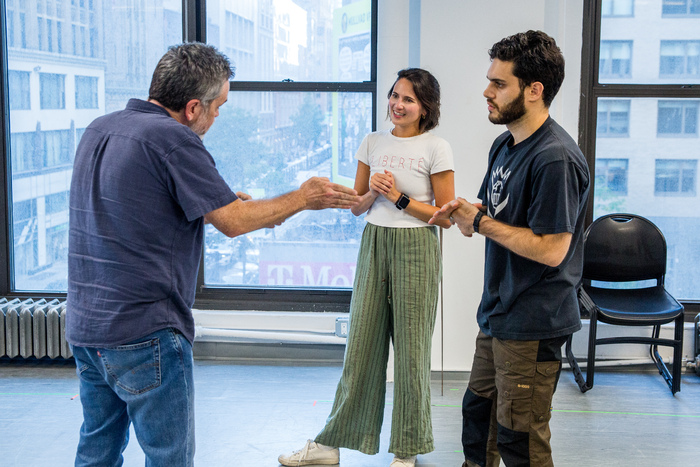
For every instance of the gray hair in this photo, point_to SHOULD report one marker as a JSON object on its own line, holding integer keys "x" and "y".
{"x": 189, "y": 71}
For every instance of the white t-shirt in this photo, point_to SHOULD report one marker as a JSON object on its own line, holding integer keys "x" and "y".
{"x": 412, "y": 161}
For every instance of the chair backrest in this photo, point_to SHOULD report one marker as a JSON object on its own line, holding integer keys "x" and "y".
{"x": 624, "y": 247}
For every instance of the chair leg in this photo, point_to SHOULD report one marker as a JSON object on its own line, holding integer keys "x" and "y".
{"x": 578, "y": 375}
{"x": 590, "y": 364}
{"x": 673, "y": 381}
{"x": 678, "y": 353}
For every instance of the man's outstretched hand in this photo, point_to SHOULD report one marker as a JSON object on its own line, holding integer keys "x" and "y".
{"x": 321, "y": 193}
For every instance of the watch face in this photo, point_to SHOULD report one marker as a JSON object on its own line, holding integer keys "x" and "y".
{"x": 403, "y": 202}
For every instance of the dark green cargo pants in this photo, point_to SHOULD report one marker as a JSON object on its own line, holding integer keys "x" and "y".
{"x": 507, "y": 406}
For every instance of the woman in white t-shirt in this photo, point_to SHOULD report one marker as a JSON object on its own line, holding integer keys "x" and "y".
{"x": 402, "y": 175}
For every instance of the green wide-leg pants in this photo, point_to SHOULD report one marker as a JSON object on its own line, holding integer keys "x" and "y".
{"x": 394, "y": 296}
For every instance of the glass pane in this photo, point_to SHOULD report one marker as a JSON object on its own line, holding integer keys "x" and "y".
{"x": 637, "y": 49}
{"x": 678, "y": 118}
{"x": 681, "y": 7}
{"x": 52, "y": 89}
{"x": 617, "y": 7}
{"x": 69, "y": 62}
{"x": 19, "y": 90}
{"x": 661, "y": 179}
{"x": 613, "y": 117}
{"x": 85, "y": 92}
{"x": 611, "y": 175}
{"x": 314, "y": 40}
{"x": 266, "y": 144}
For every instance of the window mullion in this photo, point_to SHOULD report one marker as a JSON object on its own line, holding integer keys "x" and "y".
{"x": 291, "y": 86}
{"x": 645, "y": 90}
{"x": 194, "y": 14}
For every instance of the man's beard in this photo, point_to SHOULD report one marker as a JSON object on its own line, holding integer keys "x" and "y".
{"x": 199, "y": 127}
{"x": 510, "y": 112}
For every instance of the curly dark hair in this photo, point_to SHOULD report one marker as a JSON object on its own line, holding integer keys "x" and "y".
{"x": 535, "y": 57}
{"x": 189, "y": 71}
{"x": 427, "y": 90}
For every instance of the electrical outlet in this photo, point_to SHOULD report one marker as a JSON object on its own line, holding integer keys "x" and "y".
{"x": 341, "y": 326}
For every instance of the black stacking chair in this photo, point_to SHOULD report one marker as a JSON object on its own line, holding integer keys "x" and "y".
{"x": 625, "y": 248}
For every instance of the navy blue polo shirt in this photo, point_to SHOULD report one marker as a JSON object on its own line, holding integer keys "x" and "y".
{"x": 141, "y": 184}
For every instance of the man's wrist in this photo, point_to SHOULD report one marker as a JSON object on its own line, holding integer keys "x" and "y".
{"x": 477, "y": 221}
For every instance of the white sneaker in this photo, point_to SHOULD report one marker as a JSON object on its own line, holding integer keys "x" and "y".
{"x": 403, "y": 461}
{"x": 312, "y": 454}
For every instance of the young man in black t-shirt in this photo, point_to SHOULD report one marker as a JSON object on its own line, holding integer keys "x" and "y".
{"x": 533, "y": 204}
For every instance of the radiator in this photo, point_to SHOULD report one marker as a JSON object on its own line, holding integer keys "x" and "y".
{"x": 33, "y": 328}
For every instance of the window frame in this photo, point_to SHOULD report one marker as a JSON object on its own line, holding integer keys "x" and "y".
{"x": 194, "y": 23}
{"x": 5, "y": 212}
{"x": 592, "y": 90}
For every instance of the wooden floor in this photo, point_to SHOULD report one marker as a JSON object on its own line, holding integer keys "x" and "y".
{"x": 247, "y": 415}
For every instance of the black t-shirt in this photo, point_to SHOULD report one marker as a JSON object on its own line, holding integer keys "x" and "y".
{"x": 542, "y": 184}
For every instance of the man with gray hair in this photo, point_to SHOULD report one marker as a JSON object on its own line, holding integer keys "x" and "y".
{"x": 143, "y": 187}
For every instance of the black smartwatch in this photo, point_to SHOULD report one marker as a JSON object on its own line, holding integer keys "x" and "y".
{"x": 402, "y": 202}
{"x": 477, "y": 219}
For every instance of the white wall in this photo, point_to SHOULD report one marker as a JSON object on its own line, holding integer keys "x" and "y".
{"x": 455, "y": 36}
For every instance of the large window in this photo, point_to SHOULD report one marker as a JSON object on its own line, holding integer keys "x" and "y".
{"x": 59, "y": 51}
{"x": 284, "y": 122}
{"x": 313, "y": 249}
{"x": 652, "y": 170}
{"x": 301, "y": 102}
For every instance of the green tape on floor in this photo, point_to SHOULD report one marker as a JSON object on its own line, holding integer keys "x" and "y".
{"x": 601, "y": 412}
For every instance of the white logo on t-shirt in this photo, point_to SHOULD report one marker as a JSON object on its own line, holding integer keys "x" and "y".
{"x": 499, "y": 177}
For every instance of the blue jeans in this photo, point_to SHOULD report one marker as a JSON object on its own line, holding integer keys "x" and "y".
{"x": 148, "y": 383}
